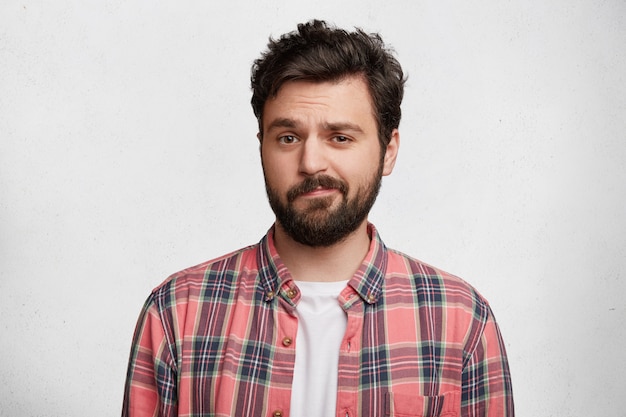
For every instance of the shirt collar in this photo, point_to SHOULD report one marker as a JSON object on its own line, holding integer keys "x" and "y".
{"x": 367, "y": 280}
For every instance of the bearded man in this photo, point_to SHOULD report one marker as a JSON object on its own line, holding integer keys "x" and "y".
{"x": 320, "y": 318}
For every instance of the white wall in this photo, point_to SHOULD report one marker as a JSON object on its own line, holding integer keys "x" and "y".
{"x": 128, "y": 152}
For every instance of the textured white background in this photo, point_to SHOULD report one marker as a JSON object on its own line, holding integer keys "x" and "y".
{"x": 128, "y": 152}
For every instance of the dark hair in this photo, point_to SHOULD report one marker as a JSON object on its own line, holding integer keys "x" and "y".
{"x": 318, "y": 52}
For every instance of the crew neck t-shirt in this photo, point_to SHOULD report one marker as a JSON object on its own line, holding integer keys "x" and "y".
{"x": 321, "y": 327}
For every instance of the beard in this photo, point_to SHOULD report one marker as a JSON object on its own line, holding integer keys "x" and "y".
{"x": 317, "y": 224}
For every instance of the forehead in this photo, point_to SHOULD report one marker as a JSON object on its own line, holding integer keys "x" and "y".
{"x": 347, "y": 99}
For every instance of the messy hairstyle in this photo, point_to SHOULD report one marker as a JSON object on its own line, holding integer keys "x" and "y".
{"x": 318, "y": 52}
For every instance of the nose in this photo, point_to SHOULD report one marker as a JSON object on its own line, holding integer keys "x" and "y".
{"x": 313, "y": 159}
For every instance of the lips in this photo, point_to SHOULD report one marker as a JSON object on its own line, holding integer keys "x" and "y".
{"x": 310, "y": 185}
{"x": 319, "y": 190}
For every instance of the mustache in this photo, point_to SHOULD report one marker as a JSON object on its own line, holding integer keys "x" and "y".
{"x": 311, "y": 183}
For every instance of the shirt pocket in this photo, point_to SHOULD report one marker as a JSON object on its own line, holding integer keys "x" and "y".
{"x": 404, "y": 405}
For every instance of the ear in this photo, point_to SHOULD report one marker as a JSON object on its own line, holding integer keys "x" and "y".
{"x": 391, "y": 152}
{"x": 259, "y": 136}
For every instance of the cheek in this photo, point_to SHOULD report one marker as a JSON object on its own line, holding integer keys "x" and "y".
{"x": 279, "y": 170}
{"x": 358, "y": 170}
{"x": 269, "y": 163}
{"x": 362, "y": 179}
{"x": 271, "y": 158}
{"x": 275, "y": 177}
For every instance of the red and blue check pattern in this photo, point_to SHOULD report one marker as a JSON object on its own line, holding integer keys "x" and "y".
{"x": 218, "y": 339}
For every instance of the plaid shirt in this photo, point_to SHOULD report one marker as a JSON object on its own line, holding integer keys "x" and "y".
{"x": 218, "y": 339}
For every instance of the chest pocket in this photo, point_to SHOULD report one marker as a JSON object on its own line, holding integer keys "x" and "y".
{"x": 404, "y": 405}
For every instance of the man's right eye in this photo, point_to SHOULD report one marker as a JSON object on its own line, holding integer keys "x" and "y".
{"x": 288, "y": 139}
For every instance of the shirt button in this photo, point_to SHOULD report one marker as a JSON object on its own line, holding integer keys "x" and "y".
{"x": 278, "y": 413}
{"x": 371, "y": 298}
{"x": 287, "y": 341}
{"x": 291, "y": 293}
{"x": 270, "y": 294}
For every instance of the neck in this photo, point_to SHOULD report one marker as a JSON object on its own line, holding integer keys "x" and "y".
{"x": 338, "y": 262}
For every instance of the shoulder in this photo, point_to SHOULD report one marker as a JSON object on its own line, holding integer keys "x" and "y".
{"x": 435, "y": 284}
{"x": 439, "y": 296}
{"x": 198, "y": 280}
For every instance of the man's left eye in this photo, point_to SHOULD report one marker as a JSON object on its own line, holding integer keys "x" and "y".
{"x": 341, "y": 139}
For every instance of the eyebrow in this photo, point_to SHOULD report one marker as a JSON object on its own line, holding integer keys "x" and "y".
{"x": 282, "y": 122}
{"x": 328, "y": 126}
{"x": 342, "y": 127}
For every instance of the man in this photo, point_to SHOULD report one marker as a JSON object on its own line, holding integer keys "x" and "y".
{"x": 320, "y": 318}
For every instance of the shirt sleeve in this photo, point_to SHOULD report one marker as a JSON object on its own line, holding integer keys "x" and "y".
{"x": 151, "y": 379}
{"x": 487, "y": 390}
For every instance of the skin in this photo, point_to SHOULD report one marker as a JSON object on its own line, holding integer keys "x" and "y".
{"x": 323, "y": 128}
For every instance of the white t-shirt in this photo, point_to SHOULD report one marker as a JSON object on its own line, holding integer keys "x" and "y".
{"x": 321, "y": 327}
